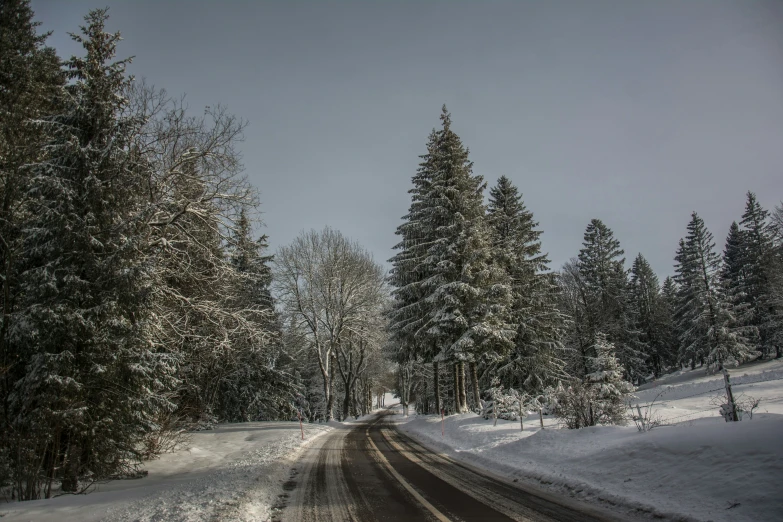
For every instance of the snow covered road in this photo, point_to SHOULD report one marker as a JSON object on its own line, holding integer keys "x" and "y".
{"x": 369, "y": 471}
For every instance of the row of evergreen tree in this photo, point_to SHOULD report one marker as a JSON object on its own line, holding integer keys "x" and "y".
{"x": 134, "y": 298}
{"x": 472, "y": 288}
{"x": 715, "y": 310}
{"x": 470, "y": 284}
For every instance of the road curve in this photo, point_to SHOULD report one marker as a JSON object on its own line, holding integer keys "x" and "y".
{"x": 370, "y": 471}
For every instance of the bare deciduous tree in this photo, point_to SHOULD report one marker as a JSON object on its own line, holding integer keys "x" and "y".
{"x": 334, "y": 291}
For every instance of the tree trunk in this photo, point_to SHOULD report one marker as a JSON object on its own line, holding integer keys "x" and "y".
{"x": 327, "y": 397}
{"x": 330, "y": 395}
{"x": 347, "y": 399}
{"x": 70, "y": 482}
{"x": 455, "y": 391}
{"x": 403, "y": 396}
{"x": 436, "y": 383}
{"x": 463, "y": 394}
{"x": 426, "y": 406}
{"x": 357, "y": 410}
{"x": 476, "y": 392}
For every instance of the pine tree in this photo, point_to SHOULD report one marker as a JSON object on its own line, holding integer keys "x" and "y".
{"x": 606, "y": 378}
{"x": 733, "y": 276}
{"x": 30, "y": 84}
{"x": 753, "y": 280}
{"x": 573, "y": 302}
{"x": 668, "y": 326}
{"x": 774, "y": 325}
{"x": 602, "y": 271}
{"x": 92, "y": 387}
{"x": 707, "y": 321}
{"x": 600, "y": 397}
{"x": 454, "y": 301}
{"x": 732, "y": 270}
{"x": 469, "y": 295}
{"x": 255, "y": 387}
{"x": 409, "y": 310}
{"x": 537, "y": 355}
{"x": 647, "y": 306}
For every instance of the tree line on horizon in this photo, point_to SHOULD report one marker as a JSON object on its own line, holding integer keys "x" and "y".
{"x": 475, "y": 303}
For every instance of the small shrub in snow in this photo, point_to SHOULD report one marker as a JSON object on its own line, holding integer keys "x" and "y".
{"x": 171, "y": 435}
{"x": 744, "y": 404}
{"x": 600, "y": 398}
{"x": 645, "y": 418}
{"x": 747, "y": 405}
{"x": 503, "y": 403}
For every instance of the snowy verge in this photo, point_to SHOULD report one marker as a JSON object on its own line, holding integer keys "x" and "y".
{"x": 234, "y": 472}
{"x": 705, "y": 469}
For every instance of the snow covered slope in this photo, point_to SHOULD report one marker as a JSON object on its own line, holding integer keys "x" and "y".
{"x": 699, "y": 468}
{"x": 231, "y": 473}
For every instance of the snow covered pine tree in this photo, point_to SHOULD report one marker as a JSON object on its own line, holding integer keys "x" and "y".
{"x": 92, "y": 386}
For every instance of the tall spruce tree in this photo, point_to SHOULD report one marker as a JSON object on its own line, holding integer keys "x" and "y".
{"x": 256, "y": 386}
{"x": 409, "y": 311}
{"x": 573, "y": 302}
{"x": 648, "y": 311}
{"x": 757, "y": 260}
{"x": 455, "y": 298}
{"x": 733, "y": 275}
{"x": 91, "y": 387}
{"x": 470, "y": 296}
{"x": 733, "y": 270}
{"x": 602, "y": 270}
{"x": 668, "y": 328}
{"x": 775, "y": 318}
{"x": 30, "y": 87}
{"x": 709, "y": 329}
{"x": 536, "y": 359}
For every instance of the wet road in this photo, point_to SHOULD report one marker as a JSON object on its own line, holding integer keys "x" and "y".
{"x": 371, "y": 471}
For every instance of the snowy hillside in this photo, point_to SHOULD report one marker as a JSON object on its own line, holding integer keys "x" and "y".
{"x": 234, "y": 471}
{"x": 698, "y": 467}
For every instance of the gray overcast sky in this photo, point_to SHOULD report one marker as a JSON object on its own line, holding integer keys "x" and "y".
{"x": 635, "y": 112}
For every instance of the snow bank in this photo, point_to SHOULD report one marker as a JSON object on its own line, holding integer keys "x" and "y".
{"x": 234, "y": 472}
{"x": 706, "y": 469}
{"x": 698, "y": 468}
{"x": 697, "y": 394}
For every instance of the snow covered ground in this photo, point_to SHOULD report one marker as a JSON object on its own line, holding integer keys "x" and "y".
{"x": 692, "y": 394}
{"x": 697, "y": 468}
{"x": 234, "y": 472}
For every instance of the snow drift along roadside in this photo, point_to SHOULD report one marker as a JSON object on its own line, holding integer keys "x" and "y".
{"x": 704, "y": 470}
{"x": 233, "y": 472}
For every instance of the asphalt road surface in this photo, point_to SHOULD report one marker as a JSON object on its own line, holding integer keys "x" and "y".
{"x": 371, "y": 471}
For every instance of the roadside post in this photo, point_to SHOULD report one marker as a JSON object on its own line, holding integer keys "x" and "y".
{"x": 641, "y": 417}
{"x": 732, "y": 407}
{"x": 301, "y": 428}
{"x": 521, "y": 426}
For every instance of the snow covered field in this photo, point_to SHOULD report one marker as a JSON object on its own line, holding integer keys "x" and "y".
{"x": 234, "y": 472}
{"x": 693, "y": 394}
{"x": 697, "y": 468}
